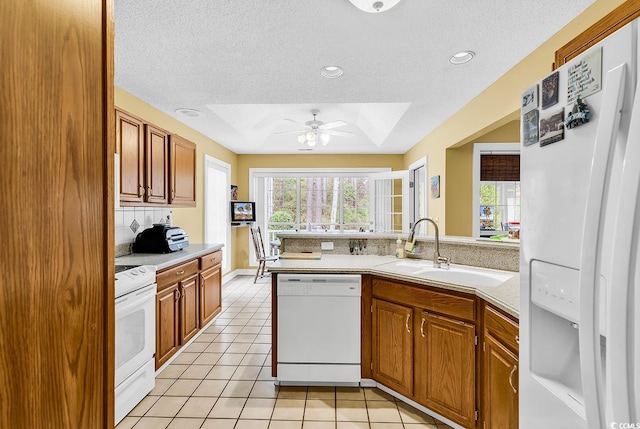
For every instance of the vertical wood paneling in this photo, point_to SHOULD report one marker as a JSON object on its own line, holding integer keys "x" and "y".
{"x": 109, "y": 314}
{"x": 56, "y": 330}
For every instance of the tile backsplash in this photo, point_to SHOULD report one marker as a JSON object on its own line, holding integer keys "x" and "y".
{"x": 129, "y": 221}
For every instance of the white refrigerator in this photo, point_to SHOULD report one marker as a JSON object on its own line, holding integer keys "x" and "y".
{"x": 579, "y": 255}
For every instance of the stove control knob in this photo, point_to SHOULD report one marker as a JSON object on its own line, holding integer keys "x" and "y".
{"x": 142, "y": 270}
{"x": 134, "y": 272}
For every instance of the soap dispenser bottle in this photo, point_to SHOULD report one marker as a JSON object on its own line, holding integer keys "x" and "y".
{"x": 399, "y": 248}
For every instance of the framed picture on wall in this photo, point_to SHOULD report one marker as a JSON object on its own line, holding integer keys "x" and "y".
{"x": 435, "y": 187}
{"x": 550, "y": 90}
{"x": 530, "y": 99}
{"x": 530, "y": 127}
{"x": 234, "y": 192}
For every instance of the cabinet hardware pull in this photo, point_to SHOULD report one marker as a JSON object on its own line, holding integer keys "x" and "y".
{"x": 513, "y": 370}
{"x": 173, "y": 191}
{"x": 179, "y": 272}
{"x": 422, "y": 327}
{"x": 178, "y": 294}
{"x": 140, "y": 190}
{"x": 517, "y": 339}
{"x": 406, "y": 322}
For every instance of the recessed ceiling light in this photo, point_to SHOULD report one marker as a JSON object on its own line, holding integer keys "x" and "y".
{"x": 461, "y": 57}
{"x": 191, "y": 113}
{"x": 374, "y": 6}
{"x": 331, "y": 71}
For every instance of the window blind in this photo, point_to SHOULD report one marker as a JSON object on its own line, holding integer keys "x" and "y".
{"x": 500, "y": 168}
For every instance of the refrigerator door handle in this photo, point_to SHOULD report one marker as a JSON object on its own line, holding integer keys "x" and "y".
{"x": 589, "y": 333}
{"x": 620, "y": 358}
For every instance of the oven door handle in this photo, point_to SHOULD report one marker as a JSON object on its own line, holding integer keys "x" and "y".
{"x": 135, "y": 298}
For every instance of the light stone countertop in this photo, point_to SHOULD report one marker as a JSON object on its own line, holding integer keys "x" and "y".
{"x": 505, "y": 296}
{"x": 166, "y": 260}
{"x": 468, "y": 241}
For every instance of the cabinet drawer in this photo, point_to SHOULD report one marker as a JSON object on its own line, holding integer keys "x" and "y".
{"x": 501, "y": 328}
{"x": 427, "y": 299}
{"x": 211, "y": 259}
{"x": 172, "y": 275}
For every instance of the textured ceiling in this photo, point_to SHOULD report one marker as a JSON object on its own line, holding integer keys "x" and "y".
{"x": 249, "y": 65}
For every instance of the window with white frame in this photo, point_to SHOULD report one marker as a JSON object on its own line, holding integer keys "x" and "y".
{"x": 496, "y": 188}
{"x": 311, "y": 200}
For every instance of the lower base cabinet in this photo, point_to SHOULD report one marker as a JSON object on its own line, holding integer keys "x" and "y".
{"x": 392, "y": 346}
{"x": 189, "y": 297}
{"x": 500, "y": 378}
{"x": 189, "y": 309}
{"x": 210, "y": 293}
{"x": 445, "y": 362}
{"x": 167, "y": 323}
{"x": 424, "y": 347}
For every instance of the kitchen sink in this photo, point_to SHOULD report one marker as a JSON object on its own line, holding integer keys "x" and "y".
{"x": 455, "y": 274}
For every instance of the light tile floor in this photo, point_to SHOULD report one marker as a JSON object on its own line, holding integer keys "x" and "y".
{"x": 223, "y": 381}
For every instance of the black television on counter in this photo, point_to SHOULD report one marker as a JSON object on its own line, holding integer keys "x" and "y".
{"x": 243, "y": 211}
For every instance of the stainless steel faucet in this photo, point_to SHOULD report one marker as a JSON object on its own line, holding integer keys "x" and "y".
{"x": 411, "y": 244}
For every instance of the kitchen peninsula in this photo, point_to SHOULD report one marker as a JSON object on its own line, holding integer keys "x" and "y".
{"x": 444, "y": 341}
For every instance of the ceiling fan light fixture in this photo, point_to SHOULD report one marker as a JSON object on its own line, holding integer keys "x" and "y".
{"x": 331, "y": 72}
{"x": 325, "y": 139}
{"x": 374, "y": 6}
{"x": 461, "y": 57}
{"x": 302, "y": 138}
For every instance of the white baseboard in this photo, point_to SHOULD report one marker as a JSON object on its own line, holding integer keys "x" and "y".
{"x": 241, "y": 272}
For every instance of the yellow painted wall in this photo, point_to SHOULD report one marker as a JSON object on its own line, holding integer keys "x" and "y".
{"x": 245, "y": 162}
{"x": 192, "y": 218}
{"x": 459, "y": 167}
{"x": 493, "y": 108}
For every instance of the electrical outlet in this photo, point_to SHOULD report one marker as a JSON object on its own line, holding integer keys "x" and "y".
{"x": 326, "y": 245}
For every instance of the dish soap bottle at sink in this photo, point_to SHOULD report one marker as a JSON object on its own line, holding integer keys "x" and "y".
{"x": 399, "y": 248}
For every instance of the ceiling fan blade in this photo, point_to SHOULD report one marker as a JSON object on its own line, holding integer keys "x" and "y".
{"x": 334, "y": 124}
{"x": 337, "y": 133}
{"x": 292, "y": 132}
{"x": 297, "y": 123}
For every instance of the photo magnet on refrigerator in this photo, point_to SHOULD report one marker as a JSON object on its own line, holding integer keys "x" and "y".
{"x": 551, "y": 127}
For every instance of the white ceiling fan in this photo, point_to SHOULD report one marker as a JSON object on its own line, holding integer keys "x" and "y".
{"x": 315, "y": 130}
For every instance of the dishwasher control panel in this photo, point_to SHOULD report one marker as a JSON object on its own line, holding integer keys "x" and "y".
{"x": 294, "y": 289}
{"x": 319, "y": 285}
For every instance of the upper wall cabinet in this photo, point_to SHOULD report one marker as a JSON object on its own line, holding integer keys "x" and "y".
{"x": 130, "y": 146}
{"x": 156, "y": 148}
{"x": 183, "y": 172}
{"x": 155, "y": 167}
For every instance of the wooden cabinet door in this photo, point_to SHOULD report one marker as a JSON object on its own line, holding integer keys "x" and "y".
{"x": 189, "y": 308}
{"x": 167, "y": 311}
{"x": 130, "y": 146}
{"x": 500, "y": 386}
{"x": 182, "y": 172}
{"x": 392, "y": 346}
{"x": 210, "y": 294}
{"x": 445, "y": 367}
{"x": 156, "y": 165}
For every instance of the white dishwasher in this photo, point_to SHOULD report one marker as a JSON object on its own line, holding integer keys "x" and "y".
{"x": 318, "y": 329}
